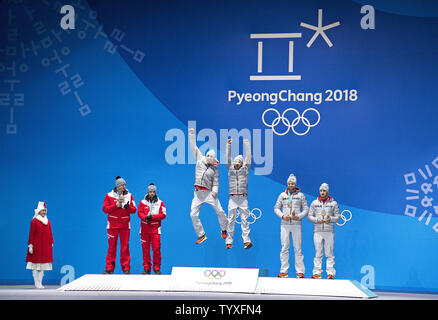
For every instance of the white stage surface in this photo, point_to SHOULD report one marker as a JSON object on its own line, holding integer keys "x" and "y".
{"x": 220, "y": 280}
{"x": 204, "y": 284}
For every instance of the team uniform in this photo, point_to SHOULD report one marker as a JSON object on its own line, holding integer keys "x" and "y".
{"x": 324, "y": 234}
{"x": 287, "y": 204}
{"x": 238, "y": 192}
{"x": 150, "y": 230}
{"x": 118, "y": 226}
{"x": 206, "y": 182}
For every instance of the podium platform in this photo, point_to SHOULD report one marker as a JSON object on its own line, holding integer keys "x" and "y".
{"x": 231, "y": 280}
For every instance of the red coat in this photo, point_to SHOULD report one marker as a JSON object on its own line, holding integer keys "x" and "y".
{"x": 118, "y": 217}
{"x": 158, "y": 214}
{"x": 40, "y": 236}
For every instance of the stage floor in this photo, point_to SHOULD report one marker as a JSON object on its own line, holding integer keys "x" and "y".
{"x": 28, "y": 292}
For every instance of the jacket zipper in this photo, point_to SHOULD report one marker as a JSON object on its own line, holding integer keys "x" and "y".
{"x": 237, "y": 182}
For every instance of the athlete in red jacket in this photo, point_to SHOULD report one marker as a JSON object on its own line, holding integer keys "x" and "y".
{"x": 118, "y": 204}
{"x": 151, "y": 211}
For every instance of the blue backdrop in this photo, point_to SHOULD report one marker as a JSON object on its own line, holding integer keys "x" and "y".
{"x": 115, "y": 96}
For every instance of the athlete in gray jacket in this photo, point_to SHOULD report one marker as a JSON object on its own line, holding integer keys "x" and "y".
{"x": 324, "y": 212}
{"x": 291, "y": 208}
{"x": 238, "y": 190}
{"x": 206, "y": 189}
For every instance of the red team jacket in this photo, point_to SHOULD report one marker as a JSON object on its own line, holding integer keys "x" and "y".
{"x": 40, "y": 236}
{"x": 118, "y": 217}
{"x": 158, "y": 214}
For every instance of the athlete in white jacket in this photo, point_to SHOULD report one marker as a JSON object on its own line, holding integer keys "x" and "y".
{"x": 238, "y": 172}
{"x": 324, "y": 213}
{"x": 206, "y": 189}
{"x": 291, "y": 208}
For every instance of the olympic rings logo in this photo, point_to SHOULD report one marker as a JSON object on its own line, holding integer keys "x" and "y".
{"x": 344, "y": 219}
{"x": 291, "y": 124}
{"x": 214, "y": 274}
{"x": 251, "y": 214}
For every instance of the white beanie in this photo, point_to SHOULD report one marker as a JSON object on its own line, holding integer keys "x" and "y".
{"x": 211, "y": 153}
{"x": 41, "y": 205}
{"x": 238, "y": 158}
{"x": 211, "y": 158}
{"x": 292, "y": 178}
{"x": 324, "y": 186}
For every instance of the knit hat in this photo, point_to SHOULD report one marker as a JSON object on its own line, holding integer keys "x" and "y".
{"x": 120, "y": 181}
{"x": 211, "y": 153}
{"x": 152, "y": 187}
{"x": 292, "y": 178}
{"x": 324, "y": 186}
{"x": 211, "y": 158}
{"x": 239, "y": 158}
{"x": 41, "y": 205}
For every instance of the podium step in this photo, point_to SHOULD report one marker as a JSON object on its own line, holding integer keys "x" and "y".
{"x": 229, "y": 280}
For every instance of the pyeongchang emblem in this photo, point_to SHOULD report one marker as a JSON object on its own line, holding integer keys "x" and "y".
{"x": 290, "y": 119}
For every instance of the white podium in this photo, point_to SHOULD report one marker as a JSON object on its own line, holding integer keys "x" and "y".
{"x": 235, "y": 280}
{"x": 217, "y": 279}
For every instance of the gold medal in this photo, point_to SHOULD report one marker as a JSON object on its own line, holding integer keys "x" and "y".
{"x": 290, "y": 205}
{"x": 323, "y": 213}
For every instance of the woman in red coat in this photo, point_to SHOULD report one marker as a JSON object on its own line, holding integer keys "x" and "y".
{"x": 40, "y": 245}
{"x": 151, "y": 211}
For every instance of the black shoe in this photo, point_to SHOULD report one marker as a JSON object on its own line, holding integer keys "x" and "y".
{"x": 157, "y": 271}
{"x": 108, "y": 272}
{"x": 127, "y": 271}
{"x": 145, "y": 271}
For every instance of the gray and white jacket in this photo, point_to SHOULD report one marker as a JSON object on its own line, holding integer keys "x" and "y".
{"x": 206, "y": 175}
{"x": 331, "y": 209}
{"x": 238, "y": 179}
{"x": 298, "y": 203}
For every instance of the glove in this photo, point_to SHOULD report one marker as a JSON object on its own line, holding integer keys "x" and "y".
{"x": 31, "y": 249}
{"x": 148, "y": 218}
{"x": 126, "y": 206}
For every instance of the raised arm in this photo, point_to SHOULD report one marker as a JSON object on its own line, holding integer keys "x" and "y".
{"x": 228, "y": 153}
{"x": 248, "y": 153}
{"x": 192, "y": 140}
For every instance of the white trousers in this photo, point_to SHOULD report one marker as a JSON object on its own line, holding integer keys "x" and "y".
{"x": 204, "y": 196}
{"x": 324, "y": 241}
{"x": 238, "y": 204}
{"x": 286, "y": 231}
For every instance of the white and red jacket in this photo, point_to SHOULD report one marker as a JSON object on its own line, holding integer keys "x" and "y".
{"x": 119, "y": 217}
{"x": 158, "y": 213}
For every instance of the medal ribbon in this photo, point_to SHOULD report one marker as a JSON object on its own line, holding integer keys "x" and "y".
{"x": 323, "y": 205}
